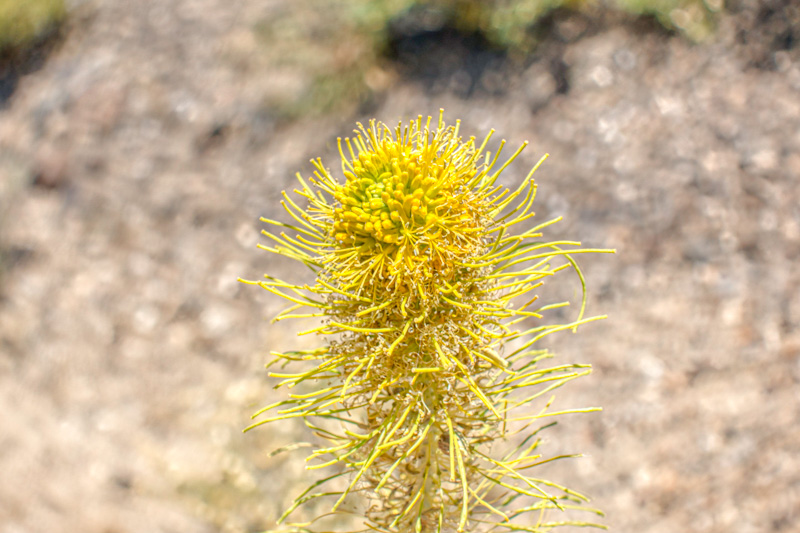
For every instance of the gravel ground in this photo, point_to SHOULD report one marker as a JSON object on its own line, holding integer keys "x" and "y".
{"x": 134, "y": 165}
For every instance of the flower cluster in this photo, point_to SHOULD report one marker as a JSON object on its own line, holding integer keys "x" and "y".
{"x": 427, "y": 291}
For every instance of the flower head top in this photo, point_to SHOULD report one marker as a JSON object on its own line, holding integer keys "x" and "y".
{"x": 408, "y": 210}
{"x": 416, "y": 209}
{"x": 404, "y": 192}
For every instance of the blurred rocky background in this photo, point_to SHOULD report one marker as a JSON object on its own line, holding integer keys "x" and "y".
{"x": 140, "y": 142}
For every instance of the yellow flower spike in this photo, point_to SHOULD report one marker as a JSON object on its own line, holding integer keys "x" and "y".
{"x": 420, "y": 280}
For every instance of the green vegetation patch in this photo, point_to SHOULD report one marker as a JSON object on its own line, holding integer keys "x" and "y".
{"x": 23, "y": 22}
{"x": 336, "y": 50}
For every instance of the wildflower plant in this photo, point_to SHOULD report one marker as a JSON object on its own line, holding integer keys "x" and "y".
{"x": 424, "y": 291}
